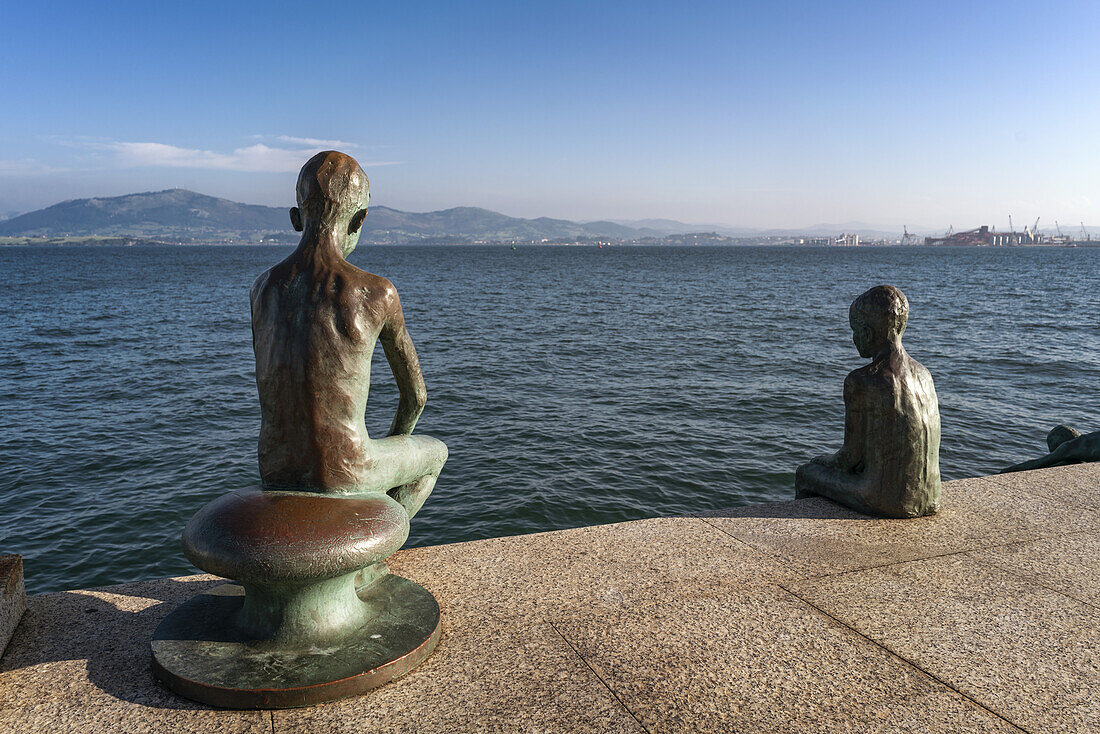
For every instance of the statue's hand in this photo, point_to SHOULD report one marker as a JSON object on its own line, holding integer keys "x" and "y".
{"x": 824, "y": 459}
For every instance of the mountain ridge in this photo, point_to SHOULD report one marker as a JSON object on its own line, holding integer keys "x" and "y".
{"x": 182, "y": 214}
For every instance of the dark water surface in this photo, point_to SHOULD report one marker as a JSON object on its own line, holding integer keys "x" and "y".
{"x": 574, "y": 386}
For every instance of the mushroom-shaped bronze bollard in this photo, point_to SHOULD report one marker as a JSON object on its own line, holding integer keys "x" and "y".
{"x": 315, "y": 615}
{"x": 300, "y": 558}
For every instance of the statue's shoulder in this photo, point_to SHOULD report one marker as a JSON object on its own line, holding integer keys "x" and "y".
{"x": 260, "y": 284}
{"x": 922, "y": 377}
{"x": 865, "y": 376}
{"x": 377, "y": 289}
{"x": 870, "y": 380}
{"x": 917, "y": 368}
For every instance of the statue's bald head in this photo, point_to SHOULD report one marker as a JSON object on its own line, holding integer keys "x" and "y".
{"x": 332, "y": 192}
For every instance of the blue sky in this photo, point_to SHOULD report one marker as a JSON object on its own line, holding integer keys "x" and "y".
{"x": 768, "y": 114}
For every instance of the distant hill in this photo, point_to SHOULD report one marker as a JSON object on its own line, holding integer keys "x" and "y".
{"x": 671, "y": 226}
{"x": 182, "y": 215}
{"x": 179, "y": 215}
{"x": 174, "y": 213}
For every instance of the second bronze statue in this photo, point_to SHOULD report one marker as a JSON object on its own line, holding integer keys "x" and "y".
{"x": 889, "y": 464}
{"x": 1067, "y": 446}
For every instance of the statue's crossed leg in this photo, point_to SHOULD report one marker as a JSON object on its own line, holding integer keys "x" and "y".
{"x": 404, "y": 467}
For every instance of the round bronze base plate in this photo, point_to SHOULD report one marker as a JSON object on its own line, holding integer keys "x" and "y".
{"x": 198, "y": 654}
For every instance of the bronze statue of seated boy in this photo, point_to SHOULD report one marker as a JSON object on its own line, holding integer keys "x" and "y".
{"x": 889, "y": 463}
{"x": 315, "y": 614}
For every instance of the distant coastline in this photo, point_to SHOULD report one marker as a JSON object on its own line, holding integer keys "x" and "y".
{"x": 692, "y": 240}
{"x": 182, "y": 217}
{"x": 90, "y": 241}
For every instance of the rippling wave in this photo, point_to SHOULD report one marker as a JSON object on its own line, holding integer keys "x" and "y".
{"x": 573, "y": 386}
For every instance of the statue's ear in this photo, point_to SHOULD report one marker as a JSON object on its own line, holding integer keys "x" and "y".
{"x": 357, "y": 221}
{"x": 296, "y": 219}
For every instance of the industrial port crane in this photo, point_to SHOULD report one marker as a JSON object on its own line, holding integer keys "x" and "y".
{"x": 985, "y": 236}
{"x": 1033, "y": 232}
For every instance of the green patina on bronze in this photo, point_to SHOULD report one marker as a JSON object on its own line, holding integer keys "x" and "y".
{"x": 197, "y": 655}
{"x": 308, "y": 547}
{"x": 889, "y": 464}
{"x": 1067, "y": 446}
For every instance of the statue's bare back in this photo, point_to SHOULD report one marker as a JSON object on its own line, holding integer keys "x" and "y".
{"x": 316, "y": 442}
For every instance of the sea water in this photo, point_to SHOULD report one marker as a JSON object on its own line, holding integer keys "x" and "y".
{"x": 573, "y": 385}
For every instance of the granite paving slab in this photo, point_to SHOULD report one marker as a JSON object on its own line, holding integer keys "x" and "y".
{"x": 821, "y": 537}
{"x": 79, "y": 661}
{"x": 545, "y": 575}
{"x": 1069, "y": 564}
{"x": 761, "y": 660}
{"x": 1023, "y": 650}
{"x": 120, "y": 717}
{"x": 1076, "y": 484}
{"x": 516, "y": 679}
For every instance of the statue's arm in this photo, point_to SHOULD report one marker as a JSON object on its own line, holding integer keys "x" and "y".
{"x": 253, "y": 297}
{"x": 401, "y": 354}
{"x": 259, "y": 315}
{"x": 850, "y": 456}
{"x": 1042, "y": 462}
{"x": 1069, "y": 452}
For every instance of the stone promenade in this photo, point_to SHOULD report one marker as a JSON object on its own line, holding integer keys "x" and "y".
{"x": 799, "y": 616}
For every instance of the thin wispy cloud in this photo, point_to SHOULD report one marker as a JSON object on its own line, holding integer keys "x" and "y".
{"x": 257, "y": 158}
{"x": 316, "y": 142}
{"x": 26, "y": 166}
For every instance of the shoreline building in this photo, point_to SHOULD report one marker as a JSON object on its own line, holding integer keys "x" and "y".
{"x": 844, "y": 240}
{"x": 983, "y": 236}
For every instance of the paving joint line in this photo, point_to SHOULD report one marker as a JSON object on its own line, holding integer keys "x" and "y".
{"x": 905, "y": 660}
{"x": 745, "y": 543}
{"x": 598, "y": 676}
{"x": 879, "y": 566}
{"x": 1036, "y": 582}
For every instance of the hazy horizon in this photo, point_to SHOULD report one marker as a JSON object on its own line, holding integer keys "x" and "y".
{"x": 650, "y": 222}
{"x": 776, "y": 117}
